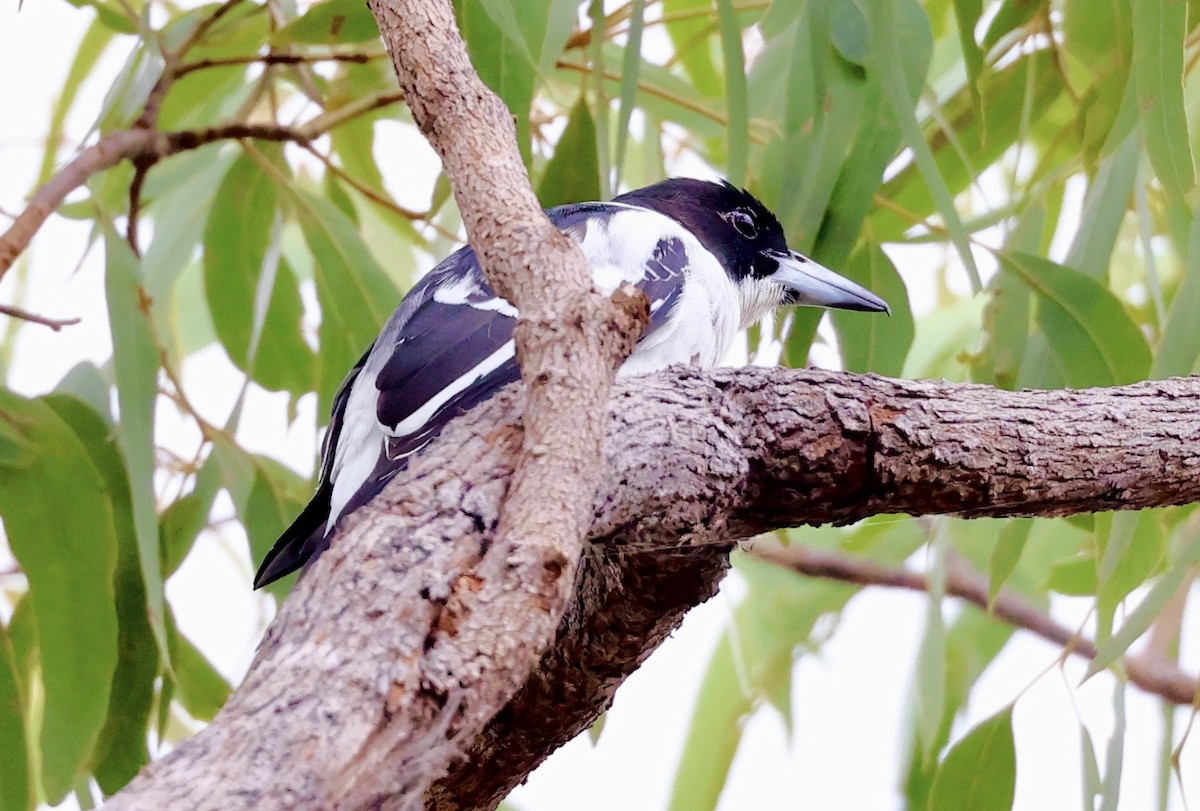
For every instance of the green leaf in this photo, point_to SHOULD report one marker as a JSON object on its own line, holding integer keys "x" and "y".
{"x": 337, "y": 22}
{"x": 629, "y": 83}
{"x": 980, "y": 771}
{"x": 1114, "y": 753}
{"x": 15, "y": 452}
{"x": 849, "y": 32}
{"x": 253, "y": 296}
{"x": 930, "y": 683}
{"x": 966, "y": 16}
{"x": 1103, "y": 210}
{"x": 572, "y": 174}
{"x": 1034, "y": 80}
{"x": 86, "y": 382}
{"x": 1007, "y": 554}
{"x": 1011, "y": 15}
{"x": 1096, "y": 341}
{"x": 1006, "y": 321}
{"x": 1178, "y": 351}
{"x": 1134, "y": 546}
{"x": 180, "y": 210}
{"x": 354, "y": 293}
{"x": 58, "y": 516}
{"x": 198, "y": 686}
{"x": 135, "y": 361}
{"x": 111, "y": 15}
{"x": 693, "y": 49}
{"x": 266, "y": 495}
{"x": 127, "y": 95}
{"x": 504, "y": 65}
{"x": 185, "y": 517}
{"x": 91, "y": 47}
{"x": 902, "y": 94}
{"x": 736, "y": 104}
{"x": 875, "y": 344}
{"x": 15, "y": 794}
{"x": 814, "y": 100}
{"x": 1074, "y": 576}
{"x": 713, "y": 735}
{"x": 1185, "y": 555}
{"x": 121, "y": 749}
{"x": 973, "y": 642}
{"x": 1159, "y": 31}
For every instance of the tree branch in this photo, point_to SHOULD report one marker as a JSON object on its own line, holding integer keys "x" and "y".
{"x": 147, "y": 147}
{"x": 55, "y": 324}
{"x": 693, "y": 463}
{"x": 1150, "y": 670}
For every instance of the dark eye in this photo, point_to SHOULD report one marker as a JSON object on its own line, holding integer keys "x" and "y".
{"x": 743, "y": 223}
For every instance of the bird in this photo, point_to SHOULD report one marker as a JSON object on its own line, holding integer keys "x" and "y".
{"x": 710, "y": 258}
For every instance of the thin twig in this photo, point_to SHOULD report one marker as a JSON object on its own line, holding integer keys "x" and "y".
{"x": 141, "y": 144}
{"x": 141, "y": 167}
{"x": 379, "y": 199}
{"x": 358, "y": 58}
{"x": 55, "y": 324}
{"x": 1159, "y": 677}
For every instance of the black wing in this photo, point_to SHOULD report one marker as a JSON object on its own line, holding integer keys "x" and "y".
{"x": 444, "y": 351}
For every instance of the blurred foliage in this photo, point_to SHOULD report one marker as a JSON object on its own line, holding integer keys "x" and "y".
{"x": 1035, "y": 154}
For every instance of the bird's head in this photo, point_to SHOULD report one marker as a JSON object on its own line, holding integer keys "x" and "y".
{"x": 749, "y": 242}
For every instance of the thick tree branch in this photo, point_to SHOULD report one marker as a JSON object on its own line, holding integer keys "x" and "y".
{"x": 693, "y": 463}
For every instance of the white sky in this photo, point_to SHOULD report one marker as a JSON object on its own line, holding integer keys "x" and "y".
{"x": 849, "y": 701}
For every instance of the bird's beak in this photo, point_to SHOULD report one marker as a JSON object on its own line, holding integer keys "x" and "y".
{"x": 812, "y": 285}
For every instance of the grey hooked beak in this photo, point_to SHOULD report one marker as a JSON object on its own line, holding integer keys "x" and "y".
{"x": 812, "y": 285}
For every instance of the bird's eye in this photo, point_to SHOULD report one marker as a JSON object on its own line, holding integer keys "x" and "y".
{"x": 743, "y": 223}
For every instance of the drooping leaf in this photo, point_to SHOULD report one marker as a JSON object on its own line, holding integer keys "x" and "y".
{"x": 736, "y": 103}
{"x": 713, "y": 735}
{"x": 58, "y": 516}
{"x": 1134, "y": 546}
{"x": 503, "y": 63}
{"x": 1103, "y": 210}
{"x": 874, "y": 344}
{"x": 1159, "y": 31}
{"x": 1099, "y": 343}
{"x": 930, "y": 681}
{"x": 629, "y": 84}
{"x": 572, "y": 174}
{"x": 354, "y": 293}
{"x": 966, "y": 17}
{"x": 135, "y": 360}
{"x": 1178, "y": 351}
{"x": 253, "y": 295}
{"x": 694, "y": 51}
{"x": 121, "y": 749}
{"x": 15, "y": 783}
{"x": 980, "y": 771}
{"x": 184, "y": 518}
{"x": 91, "y": 47}
{"x": 335, "y": 22}
{"x": 1007, "y": 554}
{"x": 1185, "y": 555}
{"x": 198, "y": 686}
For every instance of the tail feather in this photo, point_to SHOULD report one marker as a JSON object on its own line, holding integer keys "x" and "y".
{"x": 300, "y": 542}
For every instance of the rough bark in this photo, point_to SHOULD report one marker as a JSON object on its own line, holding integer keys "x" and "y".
{"x": 495, "y": 617}
{"x": 693, "y": 462}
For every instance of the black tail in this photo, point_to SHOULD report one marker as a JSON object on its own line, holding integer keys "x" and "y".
{"x": 299, "y": 543}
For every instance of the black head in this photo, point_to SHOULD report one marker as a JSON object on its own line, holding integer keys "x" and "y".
{"x": 748, "y": 241}
{"x": 735, "y": 227}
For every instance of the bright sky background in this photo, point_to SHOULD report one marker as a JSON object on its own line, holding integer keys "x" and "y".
{"x": 848, "y": 716}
